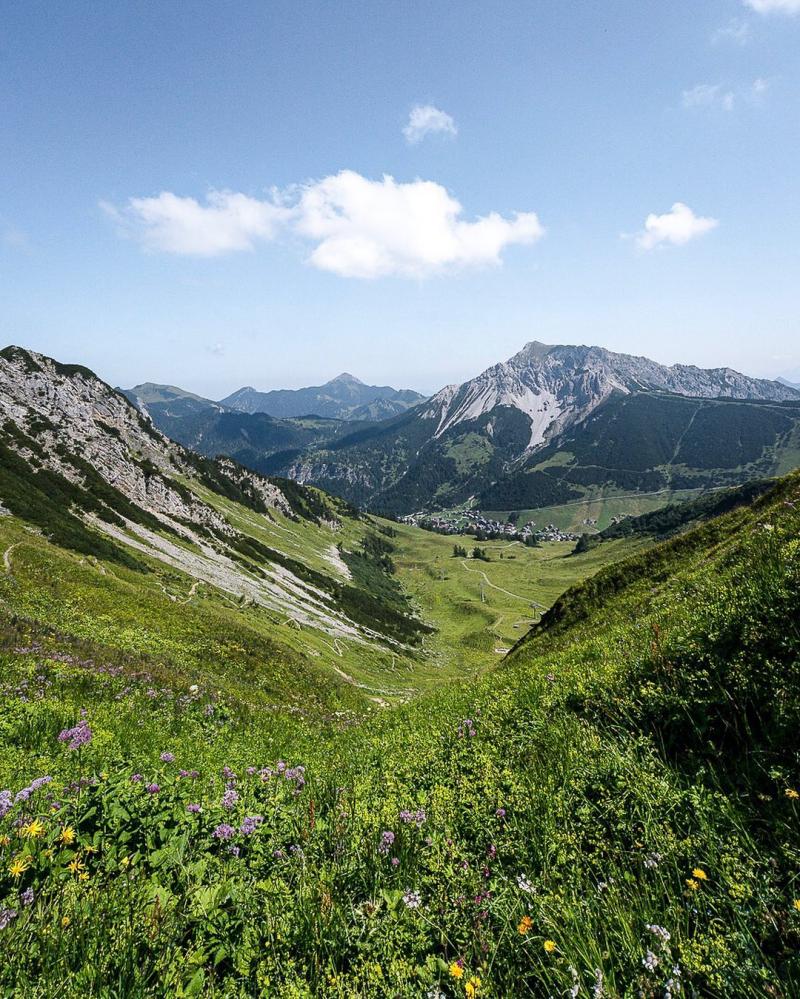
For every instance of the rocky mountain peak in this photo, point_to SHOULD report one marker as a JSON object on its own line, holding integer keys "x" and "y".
{"x": 559, "y": 385}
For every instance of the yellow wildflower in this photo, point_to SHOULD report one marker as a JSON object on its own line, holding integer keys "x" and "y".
{"x": 472, "y": 987}
{"x": 67, "y": 835}
{"x": 19, "y": 865}
{"x": 549, "y": 946}
{"x": 76, "y": 866}
{"x": 796, "y": 904}
{"x": 83, "y": 876}
{"x": 700, "y": 874}
{"x": 65, "y": 921}
{"x": 5, "y": 840}
{"x": 125, "y": 862}
{"x": 791, "y": 793}
{"x": 525, "y": 925}
{"x": 456, "y": 971}
{"x": 90, "y": 849}
{"x": 33, "y": 830}
{"x": 694, "y": 885}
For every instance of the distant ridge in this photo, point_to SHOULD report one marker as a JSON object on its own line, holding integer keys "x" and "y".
{"x": 342, "y": 398}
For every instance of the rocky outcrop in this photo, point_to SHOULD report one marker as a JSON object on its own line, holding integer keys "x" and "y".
{"x": 75, "y": 418}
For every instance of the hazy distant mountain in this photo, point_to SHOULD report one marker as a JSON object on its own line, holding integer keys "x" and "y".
{"x": 168, "y": 401}
{"x": 342, "y": 398}
{"x": 785, "y": 381}
{"x": 212, "y": 429}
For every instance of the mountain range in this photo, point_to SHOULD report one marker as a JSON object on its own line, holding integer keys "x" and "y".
{"x": 552, "y": 425}
{"x": 342, "y": 398}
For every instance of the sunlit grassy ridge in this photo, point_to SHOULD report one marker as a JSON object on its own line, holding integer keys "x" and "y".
{"x": 611, "y": 811}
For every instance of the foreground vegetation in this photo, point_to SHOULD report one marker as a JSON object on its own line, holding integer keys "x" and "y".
{"x": 611, "y": 810}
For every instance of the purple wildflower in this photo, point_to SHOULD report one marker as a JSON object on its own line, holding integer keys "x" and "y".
{"x": 167, "y": 757}
{"x": 224, "y": 831}
{"x": 6, "y": 803}
{"x": 250, "y": 824}
{"x": 193, "y": 808}
{"x": 387, "y": 839}
{"x": 230, "y": 798}
{"x": 395, "y": 861}
{"x": 417, "y": 817}
{"x": 136, "y": 778}
{"x": 412, "y": 899}
{"x": 27, "y": 897}
{"x": 153, "y": 788}
{"x": 6, "y": 915}
{"x": 500, "y": 813}
{"x": 467, "y": 728}
{"x": 79, "y": 735}
{"x": 234, "y": 850}
{"x": 23, "y": 794}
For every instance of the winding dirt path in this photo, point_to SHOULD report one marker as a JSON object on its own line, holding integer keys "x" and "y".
{"x": 192, "y": 592}
{"x": 494, "y": 586}
{"x": 7, "y": 556}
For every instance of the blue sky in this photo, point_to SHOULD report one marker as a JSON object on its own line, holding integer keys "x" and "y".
{"x": 195, "y": 192}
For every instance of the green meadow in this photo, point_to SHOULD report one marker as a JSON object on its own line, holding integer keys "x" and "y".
{"x": 205, "y": 799}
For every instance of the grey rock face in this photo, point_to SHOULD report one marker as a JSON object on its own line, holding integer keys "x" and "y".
{"x": 557, "y": 386}
{"x": 67, "y": 408}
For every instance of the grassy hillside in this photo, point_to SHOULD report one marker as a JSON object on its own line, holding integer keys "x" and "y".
{"x": 612, "y": 808}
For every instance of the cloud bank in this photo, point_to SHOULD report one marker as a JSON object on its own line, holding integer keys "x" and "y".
{"x": 425, "y": 119}
{"x": 357, "y": 227}
{"x": 676, "y": 227}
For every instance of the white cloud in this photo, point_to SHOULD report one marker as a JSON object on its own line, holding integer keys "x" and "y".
{"x": 715, "y": 96}
{"x": 774, "y": 6}
{"x": 358, "y": 227}
{"x": 737, "y": 30}
{"x": 757, "y": 90}
{"x": 171, "y": 224}
{"x": 372, "y": 228}
{"x": 677, "y": 226}
{"x": 708, "y": 95}
{"x": 425, "y": 120}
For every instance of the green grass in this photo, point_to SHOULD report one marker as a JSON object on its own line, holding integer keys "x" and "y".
{"x": 645, "y": 730}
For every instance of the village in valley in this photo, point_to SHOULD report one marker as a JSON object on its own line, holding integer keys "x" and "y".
{"x": 484, "y": 527}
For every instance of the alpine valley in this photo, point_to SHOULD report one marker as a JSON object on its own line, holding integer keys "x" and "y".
{"x": 260, "y": 740}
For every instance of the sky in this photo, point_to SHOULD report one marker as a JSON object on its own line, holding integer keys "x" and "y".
{"x": 269, "y": 193}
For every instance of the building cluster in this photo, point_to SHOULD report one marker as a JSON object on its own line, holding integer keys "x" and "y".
{"x": 475, "y": 524}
